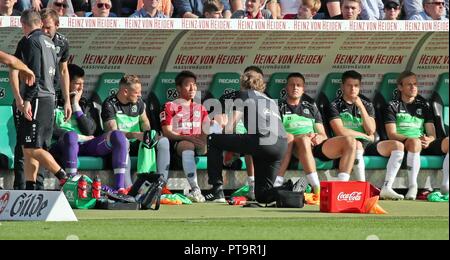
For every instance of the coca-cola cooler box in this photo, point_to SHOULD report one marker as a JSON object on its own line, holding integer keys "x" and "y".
{"x": 344, "y": 197}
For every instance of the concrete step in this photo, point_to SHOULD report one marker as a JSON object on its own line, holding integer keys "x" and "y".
{"x": 427, "y": 179}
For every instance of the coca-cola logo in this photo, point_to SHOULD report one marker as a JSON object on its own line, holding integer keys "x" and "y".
{"x": 354, "y": 196}
{"x": 4, "y": 202}
{"x": 28, "y": 205}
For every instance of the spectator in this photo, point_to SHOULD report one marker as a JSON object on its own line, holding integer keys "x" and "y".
{"x": 351, "y": 9}
{"x": 253, "y": 11}
{"x": 412, "y": 7}
{"x": 62, "y": 7}
{"x": 31, "y": 4}
{"x": 307, "y": 10}
{"x": 330, "y": 8}
{"x": 213, "y": 9}
{"x": 194, "y": 8}
{"x": 289, "y": 7}
{"x": 432, "y": 10}
{"x": 101, "y": 8}
{"x": 185, "y": 123}
{"x": 372, "y": 10}
{"x": 164, "y": 6}
{"x": 409, "y": 119}
{"x": 392, "y": 10}
{"x": 237, "y": 5}
{"x": 274, "y": 7}
{"x": 149, "y": 10}
{"x": 7, "y": 8}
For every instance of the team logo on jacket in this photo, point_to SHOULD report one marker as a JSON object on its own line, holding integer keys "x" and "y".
{"x": 419, "y": 111}
{"x": 134, "y": 109}
{"x": 306, "y": 111}
{"x": 197, "y": 114}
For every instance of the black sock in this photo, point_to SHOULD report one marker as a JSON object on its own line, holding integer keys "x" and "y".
{"x": 61, "y": 174}
{"x": 30, "y": 185}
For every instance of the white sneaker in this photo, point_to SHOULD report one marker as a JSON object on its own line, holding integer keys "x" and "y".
{"x": 196, "y": 196}
{"x": 412, "y": 193}
{"x": 390, "y": 194}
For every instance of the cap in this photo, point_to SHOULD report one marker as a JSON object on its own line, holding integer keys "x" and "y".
{"x": 390, "y": 3}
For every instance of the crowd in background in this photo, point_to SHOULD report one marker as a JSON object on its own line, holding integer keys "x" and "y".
{"x": 241, "y": 9}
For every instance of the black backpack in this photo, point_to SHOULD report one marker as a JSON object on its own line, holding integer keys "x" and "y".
{"x": 147, "y": 190}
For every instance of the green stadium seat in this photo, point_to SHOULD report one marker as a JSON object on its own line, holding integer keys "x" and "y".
{"x": 108, "y": 84}
{"x": 164, "y": 88}
{"x": 276, "y": 87}
{"x": 384, "y": 94}
{"x": 440, "y": 105}
{"x": 431, "y": 162}
{"x": 321, "y": 165}
{"x": 91, "y": 163}
{"x": 375, "y": 162}
{"x": 7, "y": 128}
{"x": 224, "y": 83}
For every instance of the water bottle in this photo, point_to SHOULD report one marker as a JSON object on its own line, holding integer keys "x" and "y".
{"x": 143, "y": 190}
{"x": 96, "y": 187}
{"x": 82, "y": 188}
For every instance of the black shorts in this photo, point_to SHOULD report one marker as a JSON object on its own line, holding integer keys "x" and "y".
{"x": 318, "y": 152}
{"x": 372, "y": 149}
{"x": 38, "y": 132}
{"x": 435, "y": 148}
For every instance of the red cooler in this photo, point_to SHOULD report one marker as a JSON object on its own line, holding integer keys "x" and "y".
{"x": 344, "y": 197}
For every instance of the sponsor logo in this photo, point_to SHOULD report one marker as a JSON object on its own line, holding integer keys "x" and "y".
{"x": 168, "y": 81}
{"x": 51, "y": 71}
{"x": 4, "y": 202}
{"x": 49, "y": 44}
{"x": 354, "y": 196}
{"x": 112, "y": 81}
{"x": 280, "y": 81}
{"x": 336, "y": 81}
{"x": 28, "y": 205}
{"x": 229, "y": 81}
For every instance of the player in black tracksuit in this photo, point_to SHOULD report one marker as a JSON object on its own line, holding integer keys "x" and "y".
{"x": 50, "y": 21}
{"x": 37, "y": 51}
{"x": 265, "y": 141}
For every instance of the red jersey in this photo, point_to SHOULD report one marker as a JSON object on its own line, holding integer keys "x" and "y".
{"x": 184, "y": 121}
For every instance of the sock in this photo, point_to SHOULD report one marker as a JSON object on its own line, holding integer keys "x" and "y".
{"x": 360, "y": 167}
{"x": 163, "y": 158}
{"x": 189, "y": 168}
{"x": 413, "y": 164}
{"x": 30, "y": 185}
{"x": 393, "y": 166}
{"x": 343, "y": 176}
{"x": 313, "y": 180}
{"x": 444, "y": 186}
{"x": 251, "y": 183}
{"x": 71, "y": 171}
{"x": 128, "y": 181}
{"x": 61, "y": 174}
{"x": 278, "y": 181}
{"x": 119, "y": 176}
